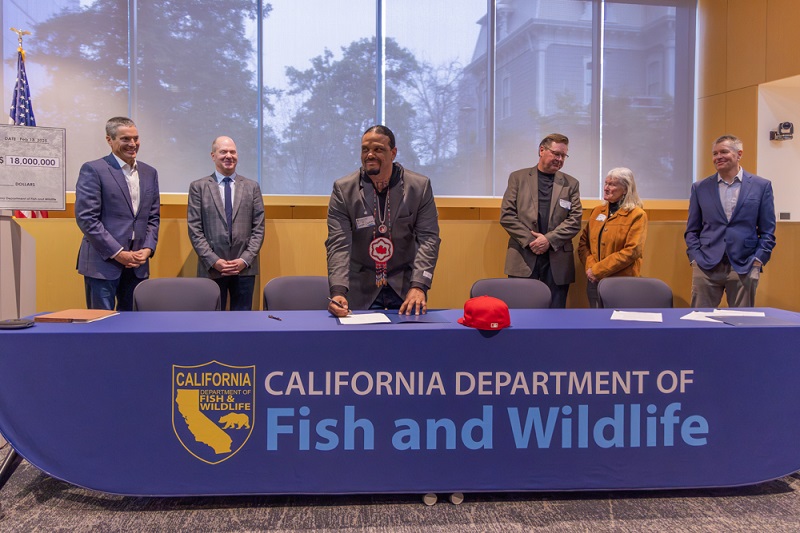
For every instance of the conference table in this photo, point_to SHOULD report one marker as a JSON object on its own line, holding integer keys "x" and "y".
{"x": 181, "y": 403}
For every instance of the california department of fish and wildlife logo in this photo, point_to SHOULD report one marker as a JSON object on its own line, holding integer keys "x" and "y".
{"x": 213, "y": 408}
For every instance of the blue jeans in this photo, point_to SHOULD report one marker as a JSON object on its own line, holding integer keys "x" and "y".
{"x": 240, "y": 289}
{"x": 101, "y": 293}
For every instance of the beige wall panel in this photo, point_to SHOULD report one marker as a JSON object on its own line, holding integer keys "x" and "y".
{"x": 779, "y": 285}
{"x": 782, "y": 59}
{"x": 665, "y": 258}
{"x": 710, "y": 125}
{"x": 277, "y": 211}
{"x": 712, "y": 28}
{"x": 490, "y": 213}
{"x": 741, "y": 111}
{"x": 459, "y": 213}
{"x": 293, "y": 248}
{"x": 174, "y": 256}
{"x": 470, "y": 250}
{"x": 309, "y": 212}
{"x": 747, "y": 43}
{"x": 58, "y": 284}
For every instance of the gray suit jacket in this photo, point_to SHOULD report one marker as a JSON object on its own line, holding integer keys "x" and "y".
{"x": 414, "y": 228}
{"x": 208, "y": 228}
{"x": 104, "y": 213}
{"x": 518, "y": 215}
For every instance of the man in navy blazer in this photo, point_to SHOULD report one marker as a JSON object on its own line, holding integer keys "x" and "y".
{"x": 117, "y": 207}
{"x": 730, "y": 232}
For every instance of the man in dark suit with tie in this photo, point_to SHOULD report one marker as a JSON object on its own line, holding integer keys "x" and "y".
{"x": 226, "y": 226}
{"x": 541, "y": 211}
{"x": 730, "y": 231}
{"x": 117, "y": 208}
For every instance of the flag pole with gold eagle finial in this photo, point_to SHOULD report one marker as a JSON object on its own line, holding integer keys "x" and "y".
{"x": 21, "y": 112}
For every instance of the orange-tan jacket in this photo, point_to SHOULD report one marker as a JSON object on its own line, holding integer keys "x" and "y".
{"x": 613, "y": 246}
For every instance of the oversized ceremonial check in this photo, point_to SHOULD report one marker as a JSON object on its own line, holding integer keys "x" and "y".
{"x": 32, "y": 168}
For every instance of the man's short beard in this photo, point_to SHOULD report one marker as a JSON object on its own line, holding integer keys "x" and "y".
{"x": 373, "y": 172}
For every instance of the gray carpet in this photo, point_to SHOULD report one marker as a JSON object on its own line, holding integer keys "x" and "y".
{"x": 32, "y": 501}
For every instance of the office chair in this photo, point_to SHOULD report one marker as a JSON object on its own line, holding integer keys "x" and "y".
{"x": 176, "y": 294}
{"x": 296, "y": 293}
{"x": 517, "y": 293}
{"x": 628, "y": 292}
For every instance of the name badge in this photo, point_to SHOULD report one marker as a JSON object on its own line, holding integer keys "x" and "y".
{"x": 566, "y": 204}
{"x": 601, "y": 217}
{"x": 365, "y": 222}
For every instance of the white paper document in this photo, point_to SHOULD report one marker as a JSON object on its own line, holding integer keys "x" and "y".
{"x": 698, "y": 316}
{"x": 705, "y": 316}
{"x": 365, "y": 318}
{"x": 736, "y": 312}
{"x": 637, "y": 316}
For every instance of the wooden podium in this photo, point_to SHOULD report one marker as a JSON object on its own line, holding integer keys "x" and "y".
{"x": 17, "y": 269}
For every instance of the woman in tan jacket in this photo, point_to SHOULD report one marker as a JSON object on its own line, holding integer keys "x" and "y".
{"x": 612, "y": 243}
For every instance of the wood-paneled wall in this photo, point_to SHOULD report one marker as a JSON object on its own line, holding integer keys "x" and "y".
{"x": 473, "y": 247}
{"x": 741, "y": 44}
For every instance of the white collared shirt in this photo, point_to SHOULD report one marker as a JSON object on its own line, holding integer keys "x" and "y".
{"x": 729, "y": 193}
{"x": 132, "y": 179}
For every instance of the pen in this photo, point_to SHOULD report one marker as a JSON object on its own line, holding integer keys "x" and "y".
{"x": 273, "y": 317}
{"x": 334, "y": 302}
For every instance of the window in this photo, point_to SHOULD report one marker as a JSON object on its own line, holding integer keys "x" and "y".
{"x": 296, "y": 82}
{"x": 505, "y": 98}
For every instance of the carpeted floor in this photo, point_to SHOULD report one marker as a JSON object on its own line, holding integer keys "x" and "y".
{"x": 32, "y": 501}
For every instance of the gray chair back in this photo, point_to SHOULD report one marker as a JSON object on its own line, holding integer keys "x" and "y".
{"x": 625, "y": 292}
{"x": 296, "y": 293}
{"x": 176, "y": 294}
{"x": 517, "y": 293}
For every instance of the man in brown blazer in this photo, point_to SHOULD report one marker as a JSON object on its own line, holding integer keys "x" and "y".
{"x": 226, "y": 226}
{"x": 541, "y": 211}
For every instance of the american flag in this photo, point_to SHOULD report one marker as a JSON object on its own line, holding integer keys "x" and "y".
{"x": 21, "y": 114}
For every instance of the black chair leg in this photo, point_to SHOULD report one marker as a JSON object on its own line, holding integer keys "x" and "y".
{"x": 10, "y": 464}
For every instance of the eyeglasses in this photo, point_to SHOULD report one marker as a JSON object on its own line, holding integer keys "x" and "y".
{"x": 557, "y": 155}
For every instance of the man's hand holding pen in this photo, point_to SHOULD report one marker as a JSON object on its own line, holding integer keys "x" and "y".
{"x": 337, "y": 306}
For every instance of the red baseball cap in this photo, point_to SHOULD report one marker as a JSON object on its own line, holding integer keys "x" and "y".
{"x": 486, "y": 313}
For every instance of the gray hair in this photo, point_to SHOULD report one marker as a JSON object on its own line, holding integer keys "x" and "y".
{"x": 624, "y": 175}
{"x": 735, "y": 141}
{"x": 113, "y": 125}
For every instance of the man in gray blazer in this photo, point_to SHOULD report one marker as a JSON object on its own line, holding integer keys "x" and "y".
{"x": 383, "y": 233}
{"x": 117, "y": 207}
{"x": 541, "y": 211}
{"x": 226, "y": 226}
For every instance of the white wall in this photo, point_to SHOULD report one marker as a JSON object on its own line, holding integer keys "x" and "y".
{"x": 779, "y": 161}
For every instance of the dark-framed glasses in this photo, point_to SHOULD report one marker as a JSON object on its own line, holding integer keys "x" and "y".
{"x": 558, "y": 155}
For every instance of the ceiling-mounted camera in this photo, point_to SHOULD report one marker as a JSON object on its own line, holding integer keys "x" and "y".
{"x": 784, "y": 132}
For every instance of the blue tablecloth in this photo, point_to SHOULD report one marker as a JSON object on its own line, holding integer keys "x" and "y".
{"x": 238, "y": 403}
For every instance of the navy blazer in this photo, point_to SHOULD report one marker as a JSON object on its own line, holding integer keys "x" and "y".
{"x": 750, "y": 233}
{"x": 104, "y": 213}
